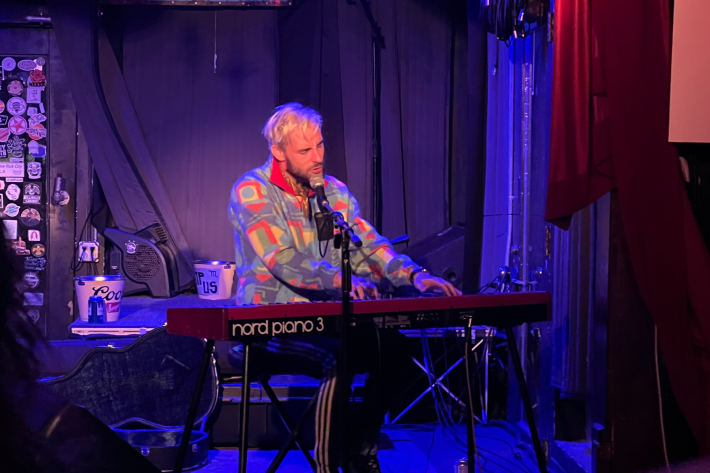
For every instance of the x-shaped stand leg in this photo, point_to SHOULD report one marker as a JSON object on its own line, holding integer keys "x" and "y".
{"x": 436, "y": 382}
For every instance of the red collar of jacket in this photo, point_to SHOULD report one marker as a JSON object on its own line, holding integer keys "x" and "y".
{"x": 278, "y": 179}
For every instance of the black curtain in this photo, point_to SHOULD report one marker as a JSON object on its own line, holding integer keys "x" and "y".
{"x": 326, "y": 61}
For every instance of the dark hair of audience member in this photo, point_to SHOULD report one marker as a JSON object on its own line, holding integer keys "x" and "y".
{"x": 18, "y": 369}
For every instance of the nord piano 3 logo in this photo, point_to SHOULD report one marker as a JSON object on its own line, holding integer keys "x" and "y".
{"x": 279, "y": 327}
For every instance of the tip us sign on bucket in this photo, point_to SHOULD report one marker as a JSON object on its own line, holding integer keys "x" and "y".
{"x": 214, "y": 279}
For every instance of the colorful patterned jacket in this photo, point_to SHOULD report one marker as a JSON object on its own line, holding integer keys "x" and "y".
{"x": 277, "y": 247}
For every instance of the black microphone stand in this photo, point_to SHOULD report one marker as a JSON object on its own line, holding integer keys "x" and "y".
{"x": 347, "y": 236}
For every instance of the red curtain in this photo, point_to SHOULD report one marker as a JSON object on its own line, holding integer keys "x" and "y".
{"x": 610, "y": 102}
{"x": 580, "y": 161}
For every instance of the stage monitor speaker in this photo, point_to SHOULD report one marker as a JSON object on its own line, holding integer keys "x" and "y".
{"x": 145, "y": 260}
{"x": 441, "y": 254}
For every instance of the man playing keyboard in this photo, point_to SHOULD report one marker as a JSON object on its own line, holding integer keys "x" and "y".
{"x": 278, "y": 256}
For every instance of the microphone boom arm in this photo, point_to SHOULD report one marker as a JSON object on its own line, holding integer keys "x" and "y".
{"x": 339, "y": 220}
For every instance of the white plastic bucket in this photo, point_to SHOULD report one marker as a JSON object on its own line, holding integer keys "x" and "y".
{"x": 214, "y": 279}
{"x": 110, "y": 288}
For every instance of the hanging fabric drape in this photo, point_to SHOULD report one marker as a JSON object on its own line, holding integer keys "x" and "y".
{"x": 611, "y": 100}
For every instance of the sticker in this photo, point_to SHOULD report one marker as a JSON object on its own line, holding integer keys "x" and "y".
{"x": 11, "y": 210}
{"x": 32, "y": 195}
{"x": 32, "y": 111}
{"x": 38, "y": 250}
{"x": 33, "y": 235}
{"x": 12, "y": 170}
{"x": 2, "y": 204}
{"x": 18, "y": 125}
{"x": 35, "y": 264}
{"x": 130, "y": 247}
{"x": 20, "y": 247}
{"x": 8, "y": 64}
{"x": 34, "y": 94}
{"x": 34, "y": 298}
{"x": 3, "y": 151}
{"x": 17, "y": 160}
{"x": 3, "y": 120}
{"x": 27, "y": 64}
{"x": 40, "y": 61}
{"x": 2, "y": 106}
{"x": 34, "y": 170}
{"x": 13, "y": 179}
{"x": 4, "y": 134}
{"x": 31, "y": 279}
{"x": 2, "y": 184}
{"x": 37, "y": 132}
{"x": 29, "y": 217}
{"x": 41, "y": 107}
{"x": 9, "y": 229}
{"x": 15, "y": 87}
{"x": 37, "y": 78}
{"x": 33, "y": 314}
{"x": 16, "y": 146}
{"x": 12, "y": 192}
{"x": 36, "y": 118}
{"x": 16, "y": 106}
{"x": 37, "y": 150}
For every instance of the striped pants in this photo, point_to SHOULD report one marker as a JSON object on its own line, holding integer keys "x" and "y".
{"x": 378, "y": 353}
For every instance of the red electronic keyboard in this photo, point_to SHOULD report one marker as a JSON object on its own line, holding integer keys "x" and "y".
{"x": 319, "y": 318}
{"x": 251, "y": 323}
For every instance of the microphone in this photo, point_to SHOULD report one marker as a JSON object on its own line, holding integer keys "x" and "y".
{"x": 318, "y": 185}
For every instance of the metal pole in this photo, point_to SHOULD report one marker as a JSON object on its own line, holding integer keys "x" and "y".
{"x": 525, "y": 396}
{"x": 486, "y": 353}
{"x": 342, "y": 382}
{"x": 194, "y": 404}
{"x": 244, "y": 421}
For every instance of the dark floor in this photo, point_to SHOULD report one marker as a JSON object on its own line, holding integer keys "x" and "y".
{"x": 501, "y": 452}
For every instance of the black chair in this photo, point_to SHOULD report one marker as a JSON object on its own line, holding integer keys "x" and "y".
{"x": 263, "y": 365}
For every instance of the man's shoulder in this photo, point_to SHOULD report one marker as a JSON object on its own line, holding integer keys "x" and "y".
{"x": 253, "y": 176}
{"x": 338, "y": 185}
{"x": 256, "y": 177}
{"x": 252, "y": 185}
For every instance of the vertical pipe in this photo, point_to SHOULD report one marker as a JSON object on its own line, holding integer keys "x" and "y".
{"x": 510, "y": 70}
{"x": 524, "y": 275}
{"x": 526, "y": 159}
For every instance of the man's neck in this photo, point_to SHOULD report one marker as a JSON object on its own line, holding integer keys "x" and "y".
{"x": 298, "y": 187}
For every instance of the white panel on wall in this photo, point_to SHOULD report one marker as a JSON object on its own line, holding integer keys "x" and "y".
{"x": 690, "y": 69}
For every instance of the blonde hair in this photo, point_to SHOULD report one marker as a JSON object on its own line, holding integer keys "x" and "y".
{"x": 285, "y": 119}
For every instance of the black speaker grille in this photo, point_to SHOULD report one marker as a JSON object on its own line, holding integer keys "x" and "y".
{"x": 143, "y": 265}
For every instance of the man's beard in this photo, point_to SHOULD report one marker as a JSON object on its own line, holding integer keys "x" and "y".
{"x": 299, "y": 175}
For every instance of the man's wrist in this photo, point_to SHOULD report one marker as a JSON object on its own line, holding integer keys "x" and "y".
{"x": 414, "y": 273}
